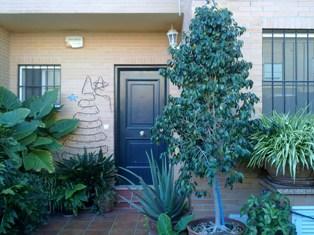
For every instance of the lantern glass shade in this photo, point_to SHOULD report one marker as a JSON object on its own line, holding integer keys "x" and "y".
{"x": 172, "y": 35}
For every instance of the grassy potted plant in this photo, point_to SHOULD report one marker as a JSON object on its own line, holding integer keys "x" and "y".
{"x": 205, "y": 127}
{"x": 284, "y": 146}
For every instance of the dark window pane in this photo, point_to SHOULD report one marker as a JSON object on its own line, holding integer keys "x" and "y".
{"x": 302, "y": 57}
{"x": 267, "y": 98}
{"x": 311, "y": 58}
{"x": 278, "y": 97}
{"x": 278, "y": 58}
{"x": 290, "y": 58}
{"x": 290, "y": 89}
{"x": 29, "y": 77}
{"x": 302, "y": 96}
{"x": 267, "y": 59}
{"x": 311, "y": 97}
{"x": 36, "y": 74}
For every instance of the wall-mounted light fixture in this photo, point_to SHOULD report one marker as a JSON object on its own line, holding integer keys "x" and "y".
{"x": 172, "y": 35}
{"x": 74, "y": 42}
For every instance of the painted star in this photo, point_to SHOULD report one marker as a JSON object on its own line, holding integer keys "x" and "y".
{"x": 72, "y": 97}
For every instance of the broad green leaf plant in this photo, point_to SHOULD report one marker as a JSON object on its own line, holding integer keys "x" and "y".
{"x": 268, "y": 214}
{"x": 205, "y": 128}
{"x": 165, "y": 225}
{"x": 30, "y": 130}
{"x": 285, "y": 142}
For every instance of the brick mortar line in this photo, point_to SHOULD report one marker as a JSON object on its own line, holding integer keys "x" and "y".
{"x": 114, "y": 221}
{"x": 90, "y": 222}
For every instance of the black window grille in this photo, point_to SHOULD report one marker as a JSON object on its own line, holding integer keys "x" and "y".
{"x": 35, "y": 80}
{"x": 288, "y": 70}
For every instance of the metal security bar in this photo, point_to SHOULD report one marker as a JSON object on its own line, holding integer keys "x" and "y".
{"x": 288, "y": 70}
{"x": 35, "y": 80}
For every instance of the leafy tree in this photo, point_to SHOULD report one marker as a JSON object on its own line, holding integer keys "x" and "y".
{"x": 205, "y": 127}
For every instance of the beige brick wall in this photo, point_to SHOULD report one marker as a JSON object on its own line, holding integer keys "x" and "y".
{"x": 4, "y": 57}
{"x": 100, "y": 53}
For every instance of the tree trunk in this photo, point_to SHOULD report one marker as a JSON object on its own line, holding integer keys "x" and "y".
{"x": 219, "y": 212}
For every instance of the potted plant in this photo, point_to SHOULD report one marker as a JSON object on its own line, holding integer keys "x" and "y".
{"x": 283, "y": 145}
{"x": 162, "y": 197}
{"x": 72, "y": 198}
{"x": 95, "y": 170}
{"x": 269, "y": 214}
{"x": 205, "y": 128}
{"x": 105, "y": 201}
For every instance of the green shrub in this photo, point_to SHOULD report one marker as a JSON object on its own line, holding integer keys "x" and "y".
{"x": 163, "y": 196}
{"x": 23, "y": 202}
{"x": 71, "y": 197}
{"x": 95, "y": 170}
{"x": 268, "y": 214}
{"x": 285, "y": 142}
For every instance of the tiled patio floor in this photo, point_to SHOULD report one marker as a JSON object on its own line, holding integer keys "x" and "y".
{"x": 119, "y": 222}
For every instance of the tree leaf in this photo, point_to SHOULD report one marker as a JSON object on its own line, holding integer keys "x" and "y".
{"x": 41, "y": 106}
{"x": 70, "y": 192}
{"x": 8, "y": 100}
{"x": 38, "y": 159}
{"x": 63, "y": 127}
{"x": 25, "y": 129}
{"x": 164, "y": 226}
{"x": 183, "y": 223}
{"x": 42, "y": 141}
{"x": 14, "y": 117}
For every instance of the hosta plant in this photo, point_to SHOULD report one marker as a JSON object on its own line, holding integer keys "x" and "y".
{"x": 268, "y": 214}
{"x": 163, "y": 196}
{"x": 32, "y": 129}
{"x": 285, "y": 142}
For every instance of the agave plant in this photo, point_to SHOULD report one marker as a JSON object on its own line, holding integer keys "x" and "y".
{"x": 163, "y": 196}
{"x": 284, "y": 142}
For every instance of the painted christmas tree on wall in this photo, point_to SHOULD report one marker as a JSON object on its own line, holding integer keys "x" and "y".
{"x": 90, "y": 132}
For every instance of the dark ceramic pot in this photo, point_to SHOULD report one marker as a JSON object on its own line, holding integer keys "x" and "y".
{"x": 204, "y": 220}
{"x": 304, "y": 177}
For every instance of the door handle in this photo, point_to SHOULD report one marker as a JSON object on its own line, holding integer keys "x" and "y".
{"x": 142, "y": 133}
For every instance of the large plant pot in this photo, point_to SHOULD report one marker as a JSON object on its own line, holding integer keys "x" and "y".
{"x": 211, "y": 219}
{"x": 304, "y": 177}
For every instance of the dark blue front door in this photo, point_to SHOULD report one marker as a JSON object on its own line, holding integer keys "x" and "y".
{"x": 141, "y": 98}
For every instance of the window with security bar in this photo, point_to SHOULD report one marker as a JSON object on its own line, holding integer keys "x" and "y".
{"x": 35, "y": 80}
{"x": 288, "y": 70}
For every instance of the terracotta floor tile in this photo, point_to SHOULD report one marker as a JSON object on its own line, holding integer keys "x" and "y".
{"x": 77, "y": 224}
{"x": 72, "y": 232}
{"x": 100, "y": 225}
{"x": 141, "y": 232}
{"x": 97, "y": 232}
{"x": 122, "y": 231}
{"x": 47, "y": 232}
